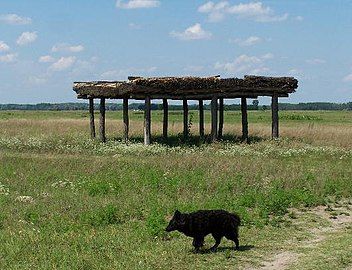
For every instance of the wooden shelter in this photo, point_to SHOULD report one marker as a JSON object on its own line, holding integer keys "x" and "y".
{"x": 214, "y": 88}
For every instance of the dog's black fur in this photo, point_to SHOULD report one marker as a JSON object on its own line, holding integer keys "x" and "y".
{"x": 199, "y": 224}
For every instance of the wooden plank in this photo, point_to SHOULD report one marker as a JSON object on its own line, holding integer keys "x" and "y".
{"x": 221, "y": 117}
{"x": 214, "y": 118}
{"x": 275, "y": 116}
{"x": 102, "y": 135}
{"x": 227, "y": 89}
{"x": 193, "y": 96}
{"x": 125, "y": 119}
{"x": 147, "y": 121}
{"x": 165, "y": 118}
{"x": 185, "y": 119}
{"x": 91, "y": 116}
{"x": 244, "y": 119}
{"x": 201, "y": 118}
{"x": 185, "y": 86}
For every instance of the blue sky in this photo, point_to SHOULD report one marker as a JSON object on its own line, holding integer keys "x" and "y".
{"x": 46, "y": 45}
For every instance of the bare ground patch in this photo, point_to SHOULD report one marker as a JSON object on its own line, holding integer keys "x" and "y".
{"x": 337, "y": 217}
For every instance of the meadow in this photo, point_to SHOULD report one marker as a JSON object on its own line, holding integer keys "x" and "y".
{"x": 68, "y": 202}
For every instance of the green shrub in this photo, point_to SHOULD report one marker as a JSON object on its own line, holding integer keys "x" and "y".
{"x": 32, "y": 217}
{"x": 98, "y": 188}
{"x": 2, "y": 219}
{"x": 101, "y": 188}
{"x": 101, "y": 217}
{"x": 156, "y": 223}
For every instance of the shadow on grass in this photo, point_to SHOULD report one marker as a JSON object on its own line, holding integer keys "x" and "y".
{"x": 179, "y": 140}
{"x": 225, "y": 249}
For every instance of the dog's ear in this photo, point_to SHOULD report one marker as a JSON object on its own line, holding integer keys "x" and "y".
{"x": 177, "y": 214}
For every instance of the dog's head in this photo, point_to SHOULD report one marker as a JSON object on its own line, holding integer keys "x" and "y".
{"x": 177, "y": 222}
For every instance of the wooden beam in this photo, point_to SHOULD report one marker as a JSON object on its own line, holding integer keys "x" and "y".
{"x": 221, "y": 117}
{"x": 125, "y": 119}
{"x": 185, "y": 87}
{"x": 185, "y": 119}
{"x": 244, "y": 119}
{"x": 147, "y": 121}
{"x": 275, "y": 116}
{"x": 181, "y": 96}
{"x": 201, "y": 118}
{"x": 214, "y": 118}
{"x": 165, "y": 118}
{"x": 102, "y": 136}
{"x": 91, "y": 116}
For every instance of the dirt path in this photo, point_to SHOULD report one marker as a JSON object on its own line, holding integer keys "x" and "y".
{"x": 339, "y": 218}
{"x": 280, "y": 261}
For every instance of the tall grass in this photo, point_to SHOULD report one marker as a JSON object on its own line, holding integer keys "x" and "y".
{"x": 71, "y": 203}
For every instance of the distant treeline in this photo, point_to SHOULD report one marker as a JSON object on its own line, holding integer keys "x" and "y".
{"x": 140, "y": 106}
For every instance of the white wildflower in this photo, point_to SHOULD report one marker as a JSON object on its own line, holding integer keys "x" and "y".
{"x": 24, "y": 199}
{"x": 4, "y": 190}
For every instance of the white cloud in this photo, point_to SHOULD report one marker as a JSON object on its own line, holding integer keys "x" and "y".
{"x": 63, "y": 63}
{"x": 94, "y": 59}
{"x": 250, "y": 41}
{"x": 348, "y": 78}
{"x": 255, "y": 11}
{"x": 216, "y": 11}
{"x": 299, "y": 18}
{"x": 133, "y": 4}
{"x": 14, "y": 19}
{"x": 63, "y": 47}
{"x": 26, "y": 38}
{"x": 83, "y": 67}
{"x": 316, "y": 61}
{"x": 46, "y": 59}
{"x": 8, "y": 58}
{"x": 267, "y": 56}
{"x": 134, "y": 26}
{"x": 37, "y": 80}
{"x": 246, "y": 64}
{"x": 4, "y": 47}
{"x": 192, "y": 33}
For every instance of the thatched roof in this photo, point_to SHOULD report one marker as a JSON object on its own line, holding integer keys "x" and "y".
{"x": 187, "y": 87}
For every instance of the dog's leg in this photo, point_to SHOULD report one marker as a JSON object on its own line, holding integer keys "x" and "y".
{"x": 234, "y": 237}
{"x": 237, "y": 243}
{"x": 198, "y": 243}
{"x": 217, "y": 242}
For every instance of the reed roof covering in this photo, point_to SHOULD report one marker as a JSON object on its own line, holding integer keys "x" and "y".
{"x": 187, "y": 87}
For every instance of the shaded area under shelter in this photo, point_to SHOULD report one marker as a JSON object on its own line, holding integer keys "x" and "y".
{"x": 214, "y": 88}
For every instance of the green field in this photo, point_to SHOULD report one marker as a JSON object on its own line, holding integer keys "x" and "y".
{"x": 68, "y": 202}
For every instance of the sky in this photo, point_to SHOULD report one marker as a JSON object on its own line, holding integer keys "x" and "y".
{"x": 47, "y": 45}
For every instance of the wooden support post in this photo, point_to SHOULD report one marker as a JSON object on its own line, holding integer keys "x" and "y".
{"x": 214, "y": 118}
{"x": 221, "y": 117}
{"x": 147, "y": 121}
{"x": 165, "y": 118}
{"x": 102, "y": 121}
{"x": 185, "y": 119}
{"x": 244, "y": 119}
{"x": 201, "y": 118}
{"x": 275, "y": 116}
{"x": 125, "y": 119}
{"x": 91, "y": 115}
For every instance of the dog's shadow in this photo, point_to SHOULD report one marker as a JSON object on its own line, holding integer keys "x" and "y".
{"x": 224, "y": 249}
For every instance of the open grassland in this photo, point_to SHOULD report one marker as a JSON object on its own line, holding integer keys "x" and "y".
{"x": 71, "y": 203}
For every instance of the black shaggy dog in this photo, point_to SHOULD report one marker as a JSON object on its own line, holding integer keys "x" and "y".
{"x": 201, "y": 223}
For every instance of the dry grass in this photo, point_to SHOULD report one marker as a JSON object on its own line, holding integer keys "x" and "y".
{"x": 322, "y": 134}
{"x": 71, "y": 203}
